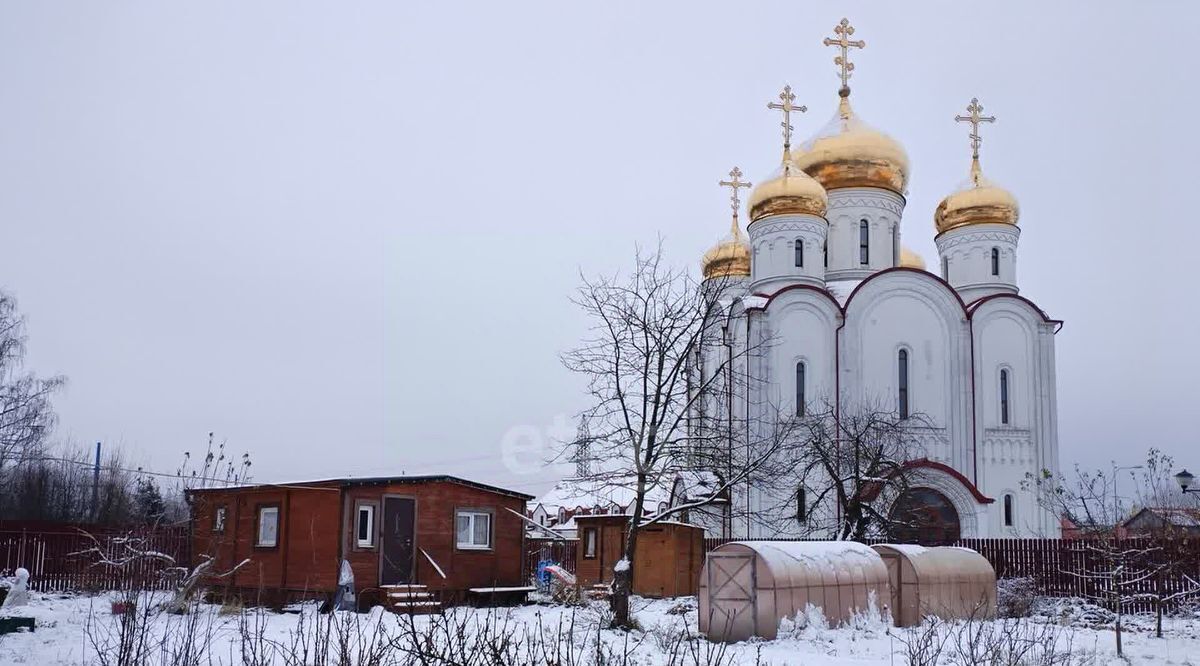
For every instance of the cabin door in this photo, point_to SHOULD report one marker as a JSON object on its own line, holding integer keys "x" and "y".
{"x": 397, "y": 555}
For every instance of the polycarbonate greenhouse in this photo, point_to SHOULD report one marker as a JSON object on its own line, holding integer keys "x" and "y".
{"x": 946, "y": 582}
{"x": 747, "y": 587}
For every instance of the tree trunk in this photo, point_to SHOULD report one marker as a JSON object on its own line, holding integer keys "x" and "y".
{"x": 623, "y": 569}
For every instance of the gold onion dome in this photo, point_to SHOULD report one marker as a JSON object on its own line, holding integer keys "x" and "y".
{"x": 788, "y": 191}
{"x": 977, "y": 201}
{"x": 848, "y": 152}
{"x": 910, "y": 259}
{"x": 728, "y": 258}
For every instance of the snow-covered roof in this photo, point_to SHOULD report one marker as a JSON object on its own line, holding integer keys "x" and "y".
{"x": 841, "y": 289}
{"x": 576, "y": 494}
{"x": 817, "y": 554}
{"x": 694, "y": 485}
{"x": 1175, "y": 516}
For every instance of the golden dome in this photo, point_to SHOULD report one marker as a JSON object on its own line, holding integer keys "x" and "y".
{"x": 978, "y": 201}
{"x": 910, "y": 259}
{"x": 728, "y": 258}
{"x": 788, "y": 191}
{"x": 850, "y": 153}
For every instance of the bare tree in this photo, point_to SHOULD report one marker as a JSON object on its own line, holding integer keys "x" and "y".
{"x": 850, "y": 463}
{"x": 646, "y": 329}
{"x": 26, "y": 412}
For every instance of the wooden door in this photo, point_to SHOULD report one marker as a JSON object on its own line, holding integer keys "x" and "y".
{"x": 398, "y": 541}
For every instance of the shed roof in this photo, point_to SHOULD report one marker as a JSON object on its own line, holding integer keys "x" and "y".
{"x": 374, "y": 481}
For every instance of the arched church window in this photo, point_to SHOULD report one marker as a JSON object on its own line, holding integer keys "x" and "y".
{"x": 802, "y": 505}
{"x": 825, "y": 250}
{"x": 902, "y": 362}
{"x": 1004, "y": 397}
{"x": 800, "y": 380}
{"x": 946, "y": 268}
{"x": 799, "y": 245}
{"x": 864, "y": 243}
{"x": 1008, "y": 510}
{"x": 895, "y": 247}
{"x": 996, "y": 261}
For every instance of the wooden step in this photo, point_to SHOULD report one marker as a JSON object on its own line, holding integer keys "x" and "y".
{"x": 409, "y": 595}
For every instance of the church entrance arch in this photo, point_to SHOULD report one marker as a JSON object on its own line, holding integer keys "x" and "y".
{"x": 924, "y": 516}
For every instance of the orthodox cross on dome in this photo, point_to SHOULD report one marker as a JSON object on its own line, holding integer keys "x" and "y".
{"x": 787, "y": 105}
{"x": 844, "y": 30}
{"x": 976, "y": 117}
{"x": 734, "y": 184}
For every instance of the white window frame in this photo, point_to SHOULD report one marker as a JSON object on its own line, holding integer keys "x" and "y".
{"x": 219, "y": 517}
{"x": 473, "y": 515}
{"x": 369, "y": 540}
{"x": 591, "y": 538}
{"x": 259, "y": 540}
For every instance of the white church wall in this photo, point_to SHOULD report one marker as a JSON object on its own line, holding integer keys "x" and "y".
{"x": 1011, "y": 334}
{"x": 801, "y": 326}
{"x": 848, "y": 207}
{"x": 966, "y": 253}
{"x": 773, "y": 240}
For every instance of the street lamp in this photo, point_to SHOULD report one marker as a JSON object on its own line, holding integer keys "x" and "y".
{"x": 1184, "y": 479}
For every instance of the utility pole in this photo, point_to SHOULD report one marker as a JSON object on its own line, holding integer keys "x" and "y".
{"x": 96, "y": 485}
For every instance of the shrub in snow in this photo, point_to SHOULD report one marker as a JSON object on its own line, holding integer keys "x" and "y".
{"x": 1015, "y": 597}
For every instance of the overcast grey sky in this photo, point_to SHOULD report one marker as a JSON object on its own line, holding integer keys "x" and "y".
{"x": 343, "y": 235}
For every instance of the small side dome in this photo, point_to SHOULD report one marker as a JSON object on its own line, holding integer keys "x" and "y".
{"x": 848, "y": 152}
{"x": 728, "y": 258}
{"x": 910, "y": 259}
{"x": 788, "y": 191}
{"x": 978, "y": 201}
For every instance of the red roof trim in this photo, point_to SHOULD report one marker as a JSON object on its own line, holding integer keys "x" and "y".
{"x": 926, "y": 463}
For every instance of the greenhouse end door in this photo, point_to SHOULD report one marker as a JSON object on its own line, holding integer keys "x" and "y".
{"x": 732, "y": 607}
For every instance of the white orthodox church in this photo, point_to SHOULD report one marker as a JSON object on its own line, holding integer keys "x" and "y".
{"x": 854, "y": 316}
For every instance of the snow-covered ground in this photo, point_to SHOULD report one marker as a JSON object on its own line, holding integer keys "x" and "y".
{"x": 261, "y": 638}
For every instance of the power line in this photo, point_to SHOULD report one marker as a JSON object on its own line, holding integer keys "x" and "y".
{"x": 139, "y": 470}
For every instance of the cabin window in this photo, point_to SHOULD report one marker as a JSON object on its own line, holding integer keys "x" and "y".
{"x": 474, "y": 529}
{"x": 902, "y": 371}
{"x": 799, "y": 252}
{"x": 996, "y": 261}
{"x": 1008, "y": 510}
{"x": 267, "y": 534}
{"x": 364, "y": 526}
{"x": 864, "y": 243}
{"x": 219, "y": 519}
{"x": 589, "y": 543}
{"x": 800, "y": 372}
{"x": 802, "y": 505}
{"x": 1004, "y": 397}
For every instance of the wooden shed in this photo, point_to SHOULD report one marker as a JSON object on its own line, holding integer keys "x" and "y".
{"x": 448, "y": 536}
{"x": 668, "y": 560}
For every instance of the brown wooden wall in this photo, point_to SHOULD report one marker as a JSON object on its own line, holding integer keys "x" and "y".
{"x": 306, "y": 557}
{"x": 316, "y": 529}
{"x": 436, "y": 503}
{"x": 668, "y": 561}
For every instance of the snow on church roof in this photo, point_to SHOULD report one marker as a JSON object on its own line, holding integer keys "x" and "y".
{"x": 842, "y": 289}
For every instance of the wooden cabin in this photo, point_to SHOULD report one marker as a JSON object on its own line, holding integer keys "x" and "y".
{"x": 667, "y": 563}
{"x": 453, "y": 537}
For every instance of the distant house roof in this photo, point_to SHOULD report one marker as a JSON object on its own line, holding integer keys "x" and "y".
{"x": 1188, "y": 519}
{"x": 375, "y": 481}
{"x": 576, "y": 494}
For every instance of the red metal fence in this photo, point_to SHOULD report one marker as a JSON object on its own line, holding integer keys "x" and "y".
{"x": 63, "y": 558}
